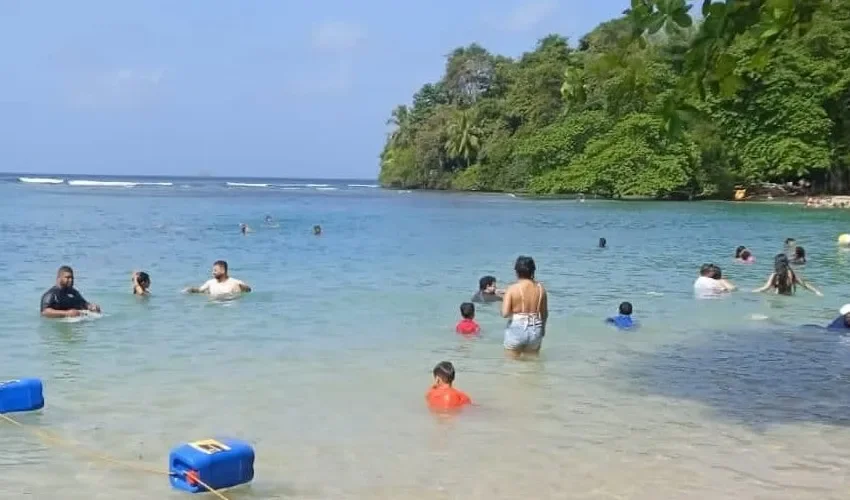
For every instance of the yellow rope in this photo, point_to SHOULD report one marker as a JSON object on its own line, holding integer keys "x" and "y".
{"x": 50, "y": 438}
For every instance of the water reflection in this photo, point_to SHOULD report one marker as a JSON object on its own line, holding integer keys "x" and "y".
{"x": 759, "y": 378}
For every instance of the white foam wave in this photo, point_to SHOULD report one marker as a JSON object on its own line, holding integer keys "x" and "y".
{"x": 40, "y": 180}
{"x": 155, "y": 183}
{"x": 317, "y": 185}
{"x": 87, "y": 183}
{"x": 326, "y": 189}
{"x": 246, "y": 184}
{"x": 363, "y": 185}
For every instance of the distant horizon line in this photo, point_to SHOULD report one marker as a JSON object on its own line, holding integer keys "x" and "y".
{"x": 196, "y": 176}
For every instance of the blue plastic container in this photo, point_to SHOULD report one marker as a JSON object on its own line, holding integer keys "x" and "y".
{"x": 218, "y": 463}
{"x": 26, "y": 394}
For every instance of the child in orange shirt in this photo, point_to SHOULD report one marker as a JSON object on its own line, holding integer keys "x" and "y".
{"x": 442, "y": 396}
{"x": 467, "y": 325}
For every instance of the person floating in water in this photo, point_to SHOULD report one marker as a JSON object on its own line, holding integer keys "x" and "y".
{"x": 710, "y": 282}
{"x": 623, "y": 320}
{"x": 141, "y": 283}
{"x": 221, "y": 283}
{"x": 244, "y": 229}
{"x": 63, "y": 300}
{"x": 442, "y": 396}
{"x": 744, "y": 255}
{"x": 783, "y": 280}
{"x": 269, "y": 220}
{"x": 603, "y": 243}
{"x": 527, "y": 307}
{"x": 467, "y": 325}
{"x": 487, "y": 291}
{"x": 842, "y": 322}
{"x": 799, "y": 256}
{"x": 317, "y": 230}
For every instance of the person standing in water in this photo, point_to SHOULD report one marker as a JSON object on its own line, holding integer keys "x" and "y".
{"x": 141, "y": 283}
{"x": 526, "y": 304}
{"x": 783, "y": 280}
{"x": 603, "y": 243}
{"x": 221, "y": 283}
{"x": 63, "y": 300}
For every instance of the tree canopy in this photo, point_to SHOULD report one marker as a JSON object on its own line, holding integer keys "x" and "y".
{"x": 654, "y": 103}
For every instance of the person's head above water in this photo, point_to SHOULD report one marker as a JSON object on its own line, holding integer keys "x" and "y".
{"x": 65, "y": 277}
{"x": 706, "y": 270}
{"x": 525, "y": 267}
{"x": 845, "y": 313}
{"x": 467, "y": 310}
{"x": 143, "y": 279}
{"x": 799, "y": 253}
{"x": 746, "y": 255}
{"x": 790, "y": 242}
{"x": 739, "y": 251}
{"x": 626, "y": 308}
{"x": 317, "y": 229}
{"x": 444, "y": 373}
{"x": 487, "y": 284}
{"x": 603, "y": 242}
{"x": 219, "y": 270}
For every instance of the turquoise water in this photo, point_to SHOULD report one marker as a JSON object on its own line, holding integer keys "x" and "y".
{"x": 324, "y": 367}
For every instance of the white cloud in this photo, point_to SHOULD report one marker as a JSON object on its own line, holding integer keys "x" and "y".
{"x": 337, "y": 36}
{"x": 528, "y": 15}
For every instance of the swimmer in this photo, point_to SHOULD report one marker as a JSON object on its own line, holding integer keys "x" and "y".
{"x": 603, "y": 243}
{"x": 317, "y": 230}
{"x": 842, "y": 322}
{"x": 442, "y": 396}
{"x": 783, "y": 280}
{"x": 623, "y": 320}
{"x": 487, "y": 291}
{"x": 799, "y": 256}
{"x": 63, "y": 300}
{"x": 221, "y": 283}
{"x": 467, "y": 325}
{"x": 268, "y": 219}
{"x": 244, "y": 229}
{"x": 790, "y": 244}
{"x": 141, "y": 283}
{"x": 710, "y": 281}
{"x": 527, "y": 307}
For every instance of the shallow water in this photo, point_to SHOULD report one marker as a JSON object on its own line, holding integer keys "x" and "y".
{"x": 324, "y": 367}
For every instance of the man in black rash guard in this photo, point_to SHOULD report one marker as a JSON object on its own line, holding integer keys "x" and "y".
{"x": 63, "y": 300}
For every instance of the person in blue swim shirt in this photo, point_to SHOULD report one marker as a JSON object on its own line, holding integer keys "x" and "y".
{"x": 842, "y": 322}
{"x": 623, "y": 321}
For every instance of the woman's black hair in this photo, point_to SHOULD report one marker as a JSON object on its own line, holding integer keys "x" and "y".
{"x": 739, "y": 250}
{"x": 746, "y": 254}
{"x": 525, "y": 267}
{"x": 799, "y": 253}
{"x": 783, "y": 279}
{"x": 143, "y": 277}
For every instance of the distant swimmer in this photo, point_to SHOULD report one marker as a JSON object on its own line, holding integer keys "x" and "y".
{"x": 799, "y": 256}
{"x": 603, "y": 243}
{"x": 141, "y": 283}
{"x": 843, "y": 321}
{"x": 790, "y": 245}
{"x": 442, "y": 396}
{"x": 317, "y": 230}
{"x": 744, "y": 255}
{"x": 527, "y": 307}
{"x": 269, "y": 220}
{"x": 63, "y": 300}
{"x": 467, "y": 325}
{"x": 623, "y": 320}
{"x": 221, "y": 284}
{"x": 711, "y": 283}
{"x": 244, "y": 229}
{"x": 487, "y": 291}
{"x": 783, "y": 280}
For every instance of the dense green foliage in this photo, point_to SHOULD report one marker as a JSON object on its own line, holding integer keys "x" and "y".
{"x": 652, "y": 104}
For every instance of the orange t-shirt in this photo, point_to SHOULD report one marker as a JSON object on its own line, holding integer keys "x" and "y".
{"x": 446, "y": 398}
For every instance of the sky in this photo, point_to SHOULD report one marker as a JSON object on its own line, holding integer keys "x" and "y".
{"x": 259, "y": 88}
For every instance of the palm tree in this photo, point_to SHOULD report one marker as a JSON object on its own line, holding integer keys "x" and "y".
{"x": 400, "y": 119}
{"x": 464, "y": 138}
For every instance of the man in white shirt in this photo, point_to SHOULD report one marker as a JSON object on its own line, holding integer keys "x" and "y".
{"x": 710, "y": 282}
{"x": 221, "y": 283}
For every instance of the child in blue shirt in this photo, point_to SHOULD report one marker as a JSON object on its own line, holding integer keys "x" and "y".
{"x": 623, "y": 321}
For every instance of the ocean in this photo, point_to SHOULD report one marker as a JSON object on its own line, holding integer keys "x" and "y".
{"x": 323, "y": 368}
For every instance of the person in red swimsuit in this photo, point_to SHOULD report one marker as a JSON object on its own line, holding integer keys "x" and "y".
{"x": 467, "y": 325}
{"x": 442, "y": 396}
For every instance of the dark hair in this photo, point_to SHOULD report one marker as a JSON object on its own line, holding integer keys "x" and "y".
{"x": 467, "y": 310}
{"x": 143, "y": 277}
{"x": 706, "y": 270}
{"x": 626, "y": 308}
{"x": 222, "y": 263}
{"x": 486, "y": 281}
{"x": 64, "y": 269}
{"x": 716, "y": 273}
{"x": 790, "y": 240}
{"x": 525, "y": 267}
{"x": 800, "y": 253}
{"x": 739, "y": 251}
{"x": 602, "y": 242}
{"x": 746, "y": 254}
{"x": 445, "y": 371}
{"x": 784, "y": 278}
